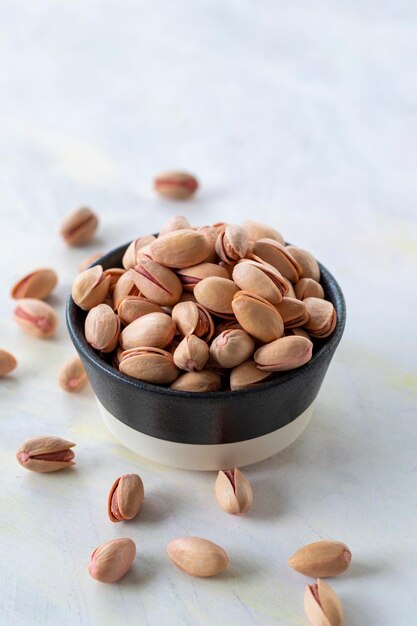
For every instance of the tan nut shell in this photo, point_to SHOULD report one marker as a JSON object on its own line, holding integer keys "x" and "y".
{"x": 131, "y": 308}
{"x": 261, "y": 279}
{"x": 278, "y": 256}
{"x": 90, "y": 287}
{"x": 45, "y": 454}
{"x": 131, "y": 256}
{"x": 152, "y": 365}
{"x": 197, "y": 557}
{"x": 210, "y": 233}
{"x": 154, "y": 330}
{"x": 124, "y": 287}
{"x": 308, "y": 288}
{"x": 102, "y": 328}
{"x": 72, "y": 376}
{"x": 321, "y": 559}
{"x": 180, "y": 248}
{"x": 216, "y": 295}
{"x": 79, "y": 227}
{"x": 232, "y": 347}
{"x": 190, "y": 276}
{"x": 38, "y": 284}
{"x": 233, "y": 492}
{"x": 322, "y": 605}
{"x": 176, "y": 222}
{"x": 205, "y": 380}
{"x": 112, "y": 560}
{"x": 125, "y": 498}
{"x": 247, "y": 375}
{"x": 322, "y": 317}
{"x": 191, "y": 354}
{"x": 7, "y": 363}
{"x": 176, "y": 185}
{"x": 257, "y": 316}
{"x": 256, "y": 230}
{"x": 232, "y": 243}
{"x": 35, "y": 317}
{"x": 156, "y": 282}
{"x": 293, "y": 312}
{"x": 192, "y": 318}
{"x": 308, "y": 263}
{"x": 284, "y": 354}
{"x": 115, "y": 274}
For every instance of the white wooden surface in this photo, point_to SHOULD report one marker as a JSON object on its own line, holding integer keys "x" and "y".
{"x": 302, "y": 115}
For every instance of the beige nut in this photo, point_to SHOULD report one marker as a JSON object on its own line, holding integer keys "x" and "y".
{"x": 180, "y": 248}
{"x": 124, "y": 287}
{"x": 284, "y": 354}
{"x": 192, "y": 318}
{"x": 156, "y": 282}
{"x": 278, "y": 255}
{"x": 112, "y": 560}
{"x": 232, "y": 347}
{"x": 155, "y": 330}
{"x": 152, "y": 365}
{"x": 203, "y": 381}
{"x": 256, "y": 230}
{"x": 233, "y": 492}
{"x": 308, "y": 263}
{"x": 38, "y": 284}
{"x": 216, "y": 295}
{"x": 176, "y": 185}
{"x": 322, "y": 317}
{"x": 321, "y": 559}
{"x": 322, "y": 605}
{"x": 72, "y": 376}
{"x": 257, "y": 316}
{"x": 125, "y": 498}
{"x": 46, "y": 454}
{"x": 79, "y": 227}
{"x": 176, "y": 222}
{"x": 308, "y": 288}
{"x": 35, "y": 317}
{"x": 190, "y": 276}
{"x": 232, "y": 243}
{"x": 102, "y": 328}
{"x": 115, "y": 274}
{"x": 131, "y": 256}
{"x": 293, "y": 312}
{"x": 7, "y": 363}
{"x": 90, "y": 287}
{"x": 191, "y": 354}
{"x": 247, "y": 375}
{"x": 261, "y": 279}
{"x": 132, "y": 308}
{"x": 210, "y": 233}
{"x": 197, "y": 557}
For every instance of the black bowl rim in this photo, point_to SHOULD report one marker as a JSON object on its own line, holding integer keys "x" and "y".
{"x": 329, "y": 345}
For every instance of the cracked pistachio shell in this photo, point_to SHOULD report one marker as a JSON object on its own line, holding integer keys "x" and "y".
{"x": 190, "y": 276}
{"x": 216, "y": 295}
{"x": 322, "y": 605}
{"x": 46, "y": 454}
{"x": 125, "y": 498}
{"x": 152, "y": 365}
{"x": 232, "y": 243}
{"x": 321, "y": 559}
{"x": 246, "y": 375}
{"x": 38, "y": 284}
{"x": 205, "y": 380}
{"x": 180, "y": 248}
{"x": 261, "y": 279}
{"x": 156, "y": 282}
{"x": 308, "y": 288}
{"x": 192, "y": 318}
{"x": 308, "y": 263}
{"x": 115, "y": 274}
{"x": 231, "y": 348}
{"x": 131, "y": 256}
{"x": 210, "y": 233}
{"x": 322, "y": 317}
{"x": 197, "y": 557}
{"x": 233, "y": 492}
{"x": 256, "y": 230}
{"x": 278, "y": 255}
{"x": 90, "y": 287}
{"x": 176, "y": 222}
{"x": 132, "y": 308}
{"x": 102, "y": 328}
{"x": 124, "y": 287}
{"x": 257, "y": 316}
{"x": 284, "y": 354}
{"x": 155, "y": 330}
{"x": 176, "y": 185}
{"x": 112, "y": 560}
{"x": 79, "y": 227}
{"x": 72, "y": 376}
{"x": 293, "y": 312}
{"x": 7, "y": 363}
{"x": 35, "y": 317}
{"x": 191, "y": 354}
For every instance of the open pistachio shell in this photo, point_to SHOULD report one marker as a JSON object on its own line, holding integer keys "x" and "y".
{"x": 322, "y": 317}
{"x": 190, "y": 276}
{"x": 176, "y": 222}
{"x": 308, "y": 263}
{"x": 247, "y": 375}
{"x": 233, "y": 492}
{"x": 278, "y": 256}
{"x": 90, "y": 287}
{"x": 293, "y": 312}
{"x": 232, "y": 243}
{"x": 131, "y": 256}
{"x": 176, "y": 185}
{"x": 115, "y": 274}
{"x": 180, "y": 248}
{"x": 322, "y": 605}
{"x": 191, "y": 354}
{"x": 132, "y": 308}
{"x": 154, "y": 330}
{"x": 205, "y": 380}
{"x": 261, "y": 279}
{"x": 125, "y": 498}
{"x": 45, "y": 454}
{"x": 308, "y": 288}
{"x": 257, "y": 316}
{"x": 192, "y": 318}
{"x": 151, "y": 365}
{"x": 38, "y": 284}
{"x": 156, "y": 282}
{"x": 36, "y": 317}
{"x": 124, "y": 287}
{"x": 79, "y": 227}
{"x": 231, "y": 348}
{"x": 216, "y": 295}
{"x": 284, "y": 354}
{"x": 210, "y": 233}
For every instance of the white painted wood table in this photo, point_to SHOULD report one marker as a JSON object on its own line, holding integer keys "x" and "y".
{"x": 302, "y": 115}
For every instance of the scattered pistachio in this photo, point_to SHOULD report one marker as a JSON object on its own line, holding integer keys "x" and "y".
{"x": 7, "y": 363}
{"x": 233, "y": 492}
{"x": 176, "y": 185}
{"x": 197, "y": 557}
{"x": 125, "y": 498}
{"x": 46, "y": 454}
{"x": 321, "y": 559}
{"x": 79, "y": 227}
{"x": 35, "y": 317}
{"x": 322, "y": 605}
{"x": 112, "y": 560}
{"x": 72, "y": 376}
{"x": 38, "y": 284}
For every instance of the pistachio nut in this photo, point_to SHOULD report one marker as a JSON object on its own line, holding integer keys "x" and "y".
{"x": 247, "y": 375}
{"x": 7, "y": 363}
{"x": 131, "y": 256}
{"x": 152, "y": 365}
{"x": 102, "y": 328}
{"x": 216, "y": 295}
{"x": 322, "y": 317}
{"x": 90, "y": 287}
{"x": 115, "y": 274}
{"x": 176, "y": 185}
{"x": 192, "y": 318}
{"x": 190, "y": 276}
{"x": 38, "y": 284}
{"x": 278, "y": 255}
{"x": 308, "y": 288}
{"x": 46, "y": 454}
{"x": 293, "y": 312}
{"x": 205, "y": 380}
{"x": 79, "y": 227}
{"x": 35, "y": 317}
{"x": 321, "y": 559}
{"x": 261, "y": 279}
{"x": 210, "y": 233}
{"x": 197, "y": 557}
{"x": 232, "y": 347}
{"x": 72, "y": 376}
{"x": 284, "y": 354}
{"x": 156, "y": 282}
{"x": 155, "y": 330}
{"x": 112, "y": 560}
{"x": 125, "y": 498}
{"x": 89, "y": 260}
{"x": 257, "y": 316}
{"x": 132, "y": 308}
{"x": 176, "y": 222}
{"x": 191, "y": 354}
{"x": 232, "y": 243}
{"x": 124, "y": 287}
{"x": 256, "y": 230}
{"x": 233, "y": 492}
{"x": 322, "y": 605}
{"x": 180, "y": 248}
{"x": 308, "y": 263}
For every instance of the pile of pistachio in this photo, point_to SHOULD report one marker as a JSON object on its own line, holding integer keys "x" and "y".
{"x": 209, "y": 308}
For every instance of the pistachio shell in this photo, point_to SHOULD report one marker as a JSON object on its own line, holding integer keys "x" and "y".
{"x": 176, "y": 185}
{"x": 232, "y": 243}
{"x": 197, "y": 557}
{"x": 151, "y": 365}
{"x": 38, "y": 284}
{"x": 131, "y": 256}
{"x": 190, "y": 276}
{"x": 35, "y": 317}
{"x": 206, "y": 380}
{"x": 321, "y": 559}
{"x": 46, "y": 454}
{"x": 278, "y": 256}
{"x": 296, "y": 331}
{"x": 216, "y": 295}
{"x": 125, "y": 498}
{"x": 192, "y": 318}
{"x": 176, "y": 222}
{"x": 233, "y": 492}
{"x": 308, "y": 288}
{"x": 261, "y": 279}
{"x": 284, "y": 354}
{"x": 293, "y": 312}
{"x": 309, "y": 265}
{"x": 322, "y": 605}
{"x": 79, "y": 227}
{"x": 322, "y": 317}
{"x": 102, "y": 328}
{"x": 256, "y": 230}
{"x": 124, "y": 287}
{"x": 247, "y": 375}
{"x": 156, "y": 282}
{"x": 132, "y": 308}
{"x": 180, "y": 248}
{"x": 90, "y": 287}
{"x": 115, "y": 274}
{"x": 72, "y": 376}
{"x": 210, "y": 233}
{"x": 232, "y": 347}
{"x": 191, "y": 354}
{"x": 7, "y": 363}
{"x": 257, "y": 316}
{"x": 154, "y": 330}
{"x": 112, "y": 560}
